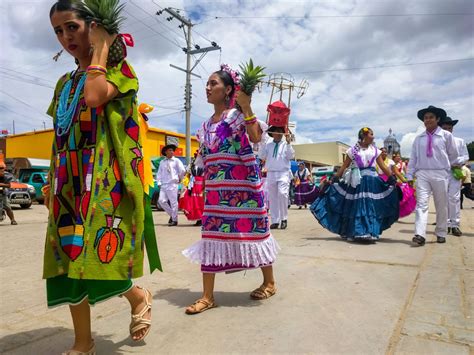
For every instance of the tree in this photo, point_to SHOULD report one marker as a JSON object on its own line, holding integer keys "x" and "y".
{"x": 470, "y": 149}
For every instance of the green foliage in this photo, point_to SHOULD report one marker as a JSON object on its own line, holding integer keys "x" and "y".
{"x": 470, "y": 149}
{"x": 250, "y": 76}
{"x": 107, "y": 13}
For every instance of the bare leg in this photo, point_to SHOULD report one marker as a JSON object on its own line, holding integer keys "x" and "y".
{"x": 81, "y": 319}
{"x": 268, "y": 279}
{"x": 136, "y": 297}
{"x": 208, "y": 281}
{"x": 10, "y": 214}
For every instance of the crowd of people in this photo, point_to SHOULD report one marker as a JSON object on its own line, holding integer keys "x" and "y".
{"x": 100, "y": 220}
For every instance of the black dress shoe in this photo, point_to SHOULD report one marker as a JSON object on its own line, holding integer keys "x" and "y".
{"x": 170, "y": 220}
{"x": 284, "y": 224}
{"x": 274, "y": 226}
{"x": 173, "y": 223}
{"x": 418, "y": 239}
{"x": 456, "y": 231}
{"x": 440, "y": 239}
{"x": 198, "y": 223}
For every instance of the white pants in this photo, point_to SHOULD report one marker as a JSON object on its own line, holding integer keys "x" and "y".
{"x": 427, "y": 182}
{"x": 169, "y": 192}
{"x": 454, "y": 201}
{"x": 278, "y": 188}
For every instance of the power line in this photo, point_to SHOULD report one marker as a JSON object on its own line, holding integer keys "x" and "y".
{"x": 23, "y": 102}
{"x": 334, "y": 16}
{"x": 384, "y": 66}
{"x": 26, "y": 81}
{"x": 157, "y": 20}
{"x": 158, "y": 33}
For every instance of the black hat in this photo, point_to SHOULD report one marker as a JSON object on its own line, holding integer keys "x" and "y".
{"x": 447, "y": 120}
{"x": 166, "y": 147}
{"x": 439, "y": 112}
{"x": 272, "y": 129}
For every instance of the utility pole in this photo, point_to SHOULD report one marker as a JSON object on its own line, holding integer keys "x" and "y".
{"x": 189, "y": 69}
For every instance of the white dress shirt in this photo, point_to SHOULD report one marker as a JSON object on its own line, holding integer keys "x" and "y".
{"x": 444, "y": 156}
{"x": 171, "y": 171}
{"x": 277, "y": 158}
{"x": 463, "y": 156}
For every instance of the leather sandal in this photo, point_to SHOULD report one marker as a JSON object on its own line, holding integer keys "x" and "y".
{"x": 192, "y": 309}
{"x": 138, "y": 322}
{"x": 262, "y": 293}
{"x": 91, "y": 351}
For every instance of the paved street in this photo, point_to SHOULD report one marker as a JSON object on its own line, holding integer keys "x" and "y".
{"x": 333, "y": 297}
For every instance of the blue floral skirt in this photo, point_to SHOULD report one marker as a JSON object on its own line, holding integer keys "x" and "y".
{"x": 361, "y": 212}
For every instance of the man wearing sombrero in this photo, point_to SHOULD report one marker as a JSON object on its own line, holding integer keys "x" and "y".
{"x": 455, "y": 182}
{"x": 432, "y": 155}
{"x": 277, "y": 155}
{"x": 170, "y": 173}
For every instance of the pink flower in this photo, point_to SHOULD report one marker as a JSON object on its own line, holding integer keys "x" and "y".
{"x": 244, "y": 225}
{"x": 240, "y": 172}
{"x": 212, "y": 197}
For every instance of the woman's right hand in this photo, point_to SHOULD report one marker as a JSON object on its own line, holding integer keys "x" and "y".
{"x": 46, "y": 189}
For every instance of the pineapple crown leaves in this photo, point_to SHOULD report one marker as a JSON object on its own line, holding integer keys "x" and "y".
{"x": 250, "y": 76}
{"x": 107, "y": 13}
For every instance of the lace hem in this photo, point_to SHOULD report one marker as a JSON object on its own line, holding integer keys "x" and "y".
{"x": 215, "y": 252}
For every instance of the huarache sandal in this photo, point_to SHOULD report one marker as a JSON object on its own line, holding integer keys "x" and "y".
{"x": 193, "y": 309}
{"x": 138, "y": 322}
{"x": 91, "y": 351}
{"x": 262, "y": 293}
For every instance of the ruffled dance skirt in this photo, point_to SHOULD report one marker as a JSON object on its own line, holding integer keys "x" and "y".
{"x": 408, "y": 202}
{"x": 305, "y": 193}
{"x": 360, "y": 212}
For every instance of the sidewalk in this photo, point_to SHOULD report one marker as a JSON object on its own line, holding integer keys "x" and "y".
{"x": 333, "y": 297}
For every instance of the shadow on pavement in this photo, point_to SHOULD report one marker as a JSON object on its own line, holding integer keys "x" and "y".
{"x": 15, "y": 342}
{"x": 184, "y": 297}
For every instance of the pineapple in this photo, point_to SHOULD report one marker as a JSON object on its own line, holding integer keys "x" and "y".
{"x": 250, "y": 76}
{"x": 108, "y": 14}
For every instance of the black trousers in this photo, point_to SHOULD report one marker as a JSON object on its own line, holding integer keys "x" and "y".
{"x": 466, "y": 190}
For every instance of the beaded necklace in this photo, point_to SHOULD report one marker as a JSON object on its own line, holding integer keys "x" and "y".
{"x": 65, "y": 112}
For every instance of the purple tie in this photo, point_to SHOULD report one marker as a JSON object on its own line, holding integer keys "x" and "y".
{"x": 429, "y": 147}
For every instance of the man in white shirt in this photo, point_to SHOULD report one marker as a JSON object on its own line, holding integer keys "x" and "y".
{"x": 277, "y": 155}
{"x": 454, "y": 185}
{"x": 170, "y": 173}
{"x": 432, "y": 155}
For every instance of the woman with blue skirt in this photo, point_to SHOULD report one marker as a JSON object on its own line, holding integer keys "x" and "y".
{"x": 361, "y": 205}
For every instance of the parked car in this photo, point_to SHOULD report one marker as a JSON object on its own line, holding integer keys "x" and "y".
{"x": 35, "y": 178}
{"x": 21, "y": 194}
{"x": 321, "y": 171}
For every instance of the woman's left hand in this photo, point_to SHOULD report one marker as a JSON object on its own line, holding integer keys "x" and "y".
{"x": 243, "y": 100}
{"x": 98, "y": 36}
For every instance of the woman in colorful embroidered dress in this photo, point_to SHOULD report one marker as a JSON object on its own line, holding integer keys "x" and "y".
{"x": 305, "y": 191}
{"x": 362, "y": 205}
{"x": 99, "y": 216}
{"x": 408, "y": 201}
{"x": 235, "y": 231}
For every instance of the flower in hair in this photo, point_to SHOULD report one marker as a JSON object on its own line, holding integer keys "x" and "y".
{"x": 233, "y": 74}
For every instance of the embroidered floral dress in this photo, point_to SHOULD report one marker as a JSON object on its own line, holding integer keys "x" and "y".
{"x": 99, "y": 215}
{"x": 235, "y": 230}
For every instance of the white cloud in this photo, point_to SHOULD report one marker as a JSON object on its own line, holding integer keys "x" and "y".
{"x": 336, "y": 105}
{"x": 406, "y": 142}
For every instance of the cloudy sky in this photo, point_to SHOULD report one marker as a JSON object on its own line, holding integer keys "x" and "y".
{"x": 368, "y": 62}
